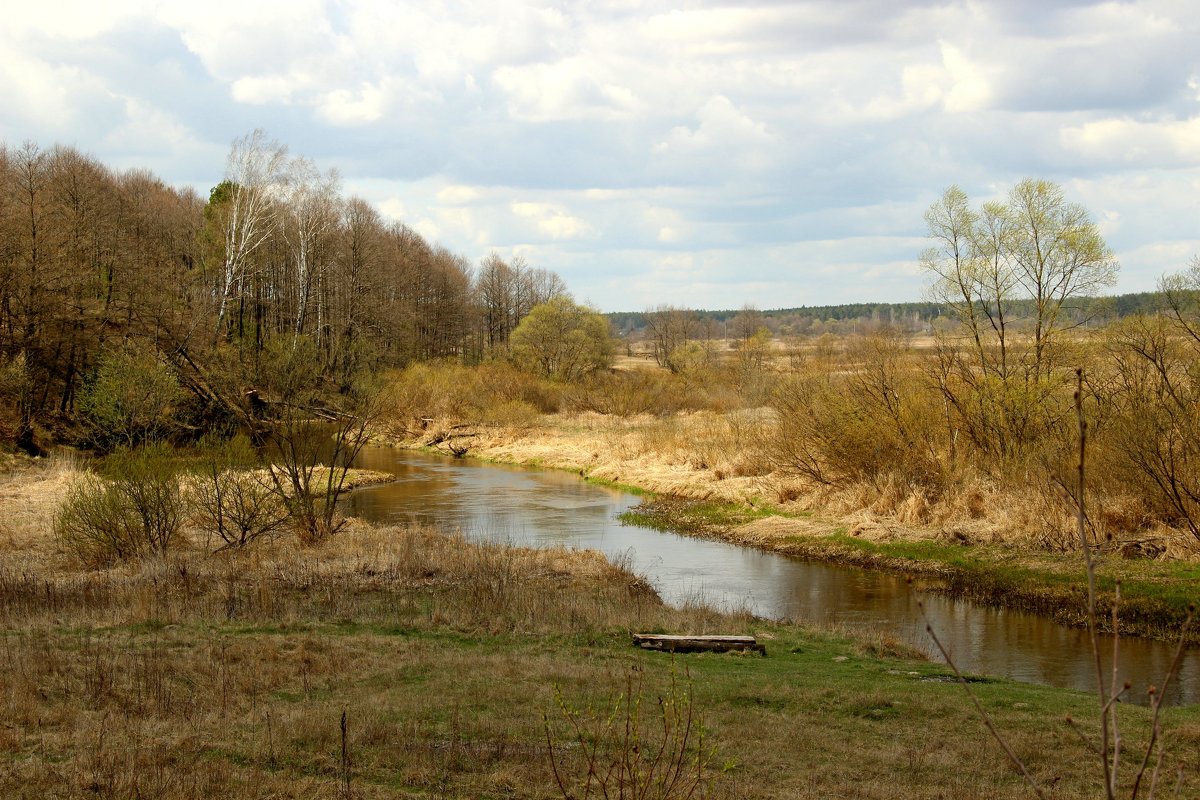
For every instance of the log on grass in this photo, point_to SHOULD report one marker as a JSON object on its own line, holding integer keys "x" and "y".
{"x": 698, "y": 644}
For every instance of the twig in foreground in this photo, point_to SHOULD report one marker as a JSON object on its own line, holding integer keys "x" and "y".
{"x": 987, "y": 720}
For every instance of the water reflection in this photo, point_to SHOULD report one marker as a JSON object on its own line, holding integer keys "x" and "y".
{"x": 535, "y": 508}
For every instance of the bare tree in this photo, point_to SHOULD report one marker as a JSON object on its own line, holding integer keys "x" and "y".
{"x": 89, "y": 258}
{"x": 310, "y": 205}
{"x": 746, "y": 323}
{"x": 668, "y": 329}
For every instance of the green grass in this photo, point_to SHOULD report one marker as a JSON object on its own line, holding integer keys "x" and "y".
{"x": 1155, "y": 596}
{"x": 620, "y": 487}
{"x": 693, "y": 516}
{"x": 448, "y": 671}
{"x": 1173, "y": 584}
{"x": 445, "y": 714}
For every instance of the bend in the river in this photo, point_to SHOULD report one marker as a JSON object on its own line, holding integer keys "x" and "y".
{"x": 539, "y": 508}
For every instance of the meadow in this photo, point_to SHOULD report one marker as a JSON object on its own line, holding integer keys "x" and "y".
{"x": 407, "y": 662}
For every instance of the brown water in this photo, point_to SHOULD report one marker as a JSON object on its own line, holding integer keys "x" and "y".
{"x": 536, "y": 508}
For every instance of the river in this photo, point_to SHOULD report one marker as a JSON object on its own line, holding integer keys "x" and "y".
{"x": 542, "y": 508}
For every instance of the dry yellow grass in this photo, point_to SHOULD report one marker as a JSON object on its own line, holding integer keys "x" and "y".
{"x": 691, "y": 455}
{"x": 31, "y": 492}
{"x": 709, "y": 455}
{"x": 29, "y": 496}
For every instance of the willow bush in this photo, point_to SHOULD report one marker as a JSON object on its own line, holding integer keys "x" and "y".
{"x": 133, "y": 508}
{"x": 872, "y": 422}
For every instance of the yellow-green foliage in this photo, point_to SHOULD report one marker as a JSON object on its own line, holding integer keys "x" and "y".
{"x": 136, "y": 509}
{"x": 562, "y": 340}
{"x": 1003, "y": 419}
{"x": 131, "y": 397}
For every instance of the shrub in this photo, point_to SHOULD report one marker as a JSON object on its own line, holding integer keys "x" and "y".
{"x": 875, "y": 423}
{"x": 511, "y": 414}
{"x": 314, "y": 436}
{"x": 500, "y": 382}
{"x": 1151, "y": 432}
{"x": 232, "y": 498}
{"x": 635, "y": 747}
{"x": 131, "y": 397}
{"x": 452, "y": 391}
{"x": 134, "y": 509}
{"x": 627, "y": 394}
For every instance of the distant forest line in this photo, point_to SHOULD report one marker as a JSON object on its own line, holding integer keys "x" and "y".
{"x": 814, "y": 320}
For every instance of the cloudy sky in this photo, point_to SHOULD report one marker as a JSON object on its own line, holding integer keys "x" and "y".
{"x": 773, "y": 153}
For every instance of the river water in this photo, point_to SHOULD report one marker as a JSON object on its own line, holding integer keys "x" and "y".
{"x": 539, "y": 508}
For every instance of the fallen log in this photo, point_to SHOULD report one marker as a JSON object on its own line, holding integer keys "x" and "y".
{"x": 698, "y": 644}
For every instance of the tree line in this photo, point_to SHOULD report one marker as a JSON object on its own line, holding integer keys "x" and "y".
{"x": 846, "y": 318}
{"x": 93, "y": 260}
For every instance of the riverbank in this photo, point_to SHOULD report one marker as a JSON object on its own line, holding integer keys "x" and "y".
{"x": 401, "y": 661}
{"x": 970, "y": 555}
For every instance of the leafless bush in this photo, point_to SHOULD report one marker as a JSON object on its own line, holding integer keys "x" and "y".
{"x": 310, "y": 428}
{"x": 624, "y": 752}
{"x": 233, "y": 496}
{"x": 871, "y": 423}
{"x": 628, "y": 394}
{"x": 1152, "y": 434}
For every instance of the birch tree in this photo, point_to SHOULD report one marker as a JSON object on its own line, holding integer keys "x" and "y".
{"x": 1058, "y": 253}
{"x": 255, "y": 174}
{"x": 311, "y": 205}
{"x": 1020, "y": 262}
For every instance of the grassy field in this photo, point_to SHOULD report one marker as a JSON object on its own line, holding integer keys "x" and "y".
{"x": 456, "y": 668}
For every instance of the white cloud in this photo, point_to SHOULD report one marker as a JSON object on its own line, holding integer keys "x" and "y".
{"x": 705, "y": 31}
{"x": 43, "y": 95}
{"x": 721, "y": 125}
{"x": 71, "y": 19}
{"x": 552, "y": 220}
{"x": 261, "y": 90}
{"x": 563, "y": 90}
{"x": 428, "y": 229}
{"x": 724, "y": 133}
{"x": 457, "y": 195}
{"x": 1137, "y": 142}
{"x": 237, "y": 40}
{"x": 393, "y": 207}
{"x": 346, "y": 107}
{"x": 149, "y": 130}
{"x": 970, "y": 89}
{"x": 774, "y": 153}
